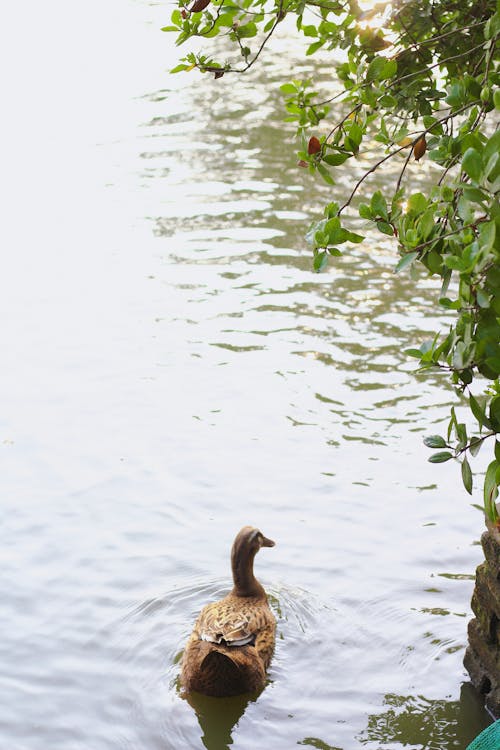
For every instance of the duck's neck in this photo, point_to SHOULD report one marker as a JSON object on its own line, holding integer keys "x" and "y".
{"x": 245, "y": 583}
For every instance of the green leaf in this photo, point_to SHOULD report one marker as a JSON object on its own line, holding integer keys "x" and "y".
{"x": 325, "y": 174}
{"x": 385, "y": 228}
{"x": 375, "y": 69}
{"x": 492, "y": 146}
{"x": 433, "y": 125}
{"x": 388, "y": 102}
{"x": 497, "y": 450}
{"x": 331, "y": 210}
{"x": 491, "y": 491}
{"x": 467, "y": 475}
{"x": 417, "y": 203}
{"x": 334, "y": 230}
{"x": 479, "y": 412}
{"x": 426, "y": 223}
{"x": 489, "y": 169}
{"x": 309, "y": 30}
{"x": 179, "y": 67}
{"x": 475, "y": 446}
{"x": 390, "y": 69}
{"x": 353, "y": 237}
{"x": 315, "y": 46}
{"x": 495, "y": 413}
{"x": 440, "y": 458}
{"x": 466, "y": 376}
{"x": 446, "y": 276}
{"x": 487, "y": 232}
{"x": 378, "y": 205}
{"x": 462, "y": 435}
{"x": 355, "y": 134}
{"x": 365, "y": 211}
{"x": 247, "y": 31}
{"x": 334, "y": 160}
{"x": 320, "y": 261}
{"x": 472, "y": 164}
{"x": 413, "y": 353}
{"x": 450, "y": 304}
{"x": 176, "y": 18}
{"x": 288, "y": 89}
{"x": 435, "y": 441}
{"x": 493, "y": 364}
{"x": 452, "y": 423}
{"x": 474, "y": 194}
{"x": 406, "y": 261}
{"x": 483, "y": 299}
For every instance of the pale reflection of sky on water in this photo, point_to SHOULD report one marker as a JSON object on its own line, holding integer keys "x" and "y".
{"x": 173, "y": 369}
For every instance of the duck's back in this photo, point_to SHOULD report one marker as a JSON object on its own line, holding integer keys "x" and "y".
{"x": 230, "y": 647}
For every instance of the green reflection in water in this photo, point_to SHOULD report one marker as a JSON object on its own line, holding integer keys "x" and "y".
{"x": 219, "y": 716}
{"x": 428, "y": 724}
{"x": 313, "y": 742}
{"x": 416, "y": 722}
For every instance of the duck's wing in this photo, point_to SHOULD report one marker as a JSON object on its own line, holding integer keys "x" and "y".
{"x": 232, "y": 623}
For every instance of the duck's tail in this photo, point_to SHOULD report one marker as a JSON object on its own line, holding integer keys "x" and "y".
{"x": 221, "y": 675}
{"x": 220, "y": 671}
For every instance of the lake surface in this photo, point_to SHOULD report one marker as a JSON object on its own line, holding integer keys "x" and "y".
{"x": 172, "y": 370}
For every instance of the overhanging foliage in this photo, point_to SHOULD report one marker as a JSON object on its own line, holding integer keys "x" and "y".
{"x": 421, "y": 78}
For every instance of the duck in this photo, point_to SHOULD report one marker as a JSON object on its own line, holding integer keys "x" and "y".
{"x": 232, "y": 642}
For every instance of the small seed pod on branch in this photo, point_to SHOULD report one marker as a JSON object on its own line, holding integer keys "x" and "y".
{"x": 314, "y": 146}
{"x": 419, "y": 148}
{"x": 199, "y": 5}
{"x": 302, "y": 163}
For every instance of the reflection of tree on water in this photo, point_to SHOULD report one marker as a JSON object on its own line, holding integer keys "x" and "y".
{"x": 218, "y": 717}
{"x": 427, "y": 724}
{"x": 313, "y": 742}
{"x": 422, "y": 724}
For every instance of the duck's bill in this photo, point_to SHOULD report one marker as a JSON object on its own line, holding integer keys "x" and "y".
{"x": 267, "y": 542}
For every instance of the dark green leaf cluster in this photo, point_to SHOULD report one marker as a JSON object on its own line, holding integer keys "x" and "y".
{"x": 458, "y": 444}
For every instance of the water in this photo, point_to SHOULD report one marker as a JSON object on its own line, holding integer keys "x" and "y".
{"x": 172, "y": 370}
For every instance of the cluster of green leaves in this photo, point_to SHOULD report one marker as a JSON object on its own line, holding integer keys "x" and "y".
{"x": 487, "y": 415}
{"x": 327, "y": 234}
{"x": 420, "y": 82}
{"x": 240, "y": 22}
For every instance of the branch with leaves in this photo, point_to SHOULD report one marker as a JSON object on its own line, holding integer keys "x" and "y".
{"x": 420, "y": 80}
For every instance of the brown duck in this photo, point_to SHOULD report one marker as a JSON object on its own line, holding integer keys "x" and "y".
{"x": 232, "y": 642}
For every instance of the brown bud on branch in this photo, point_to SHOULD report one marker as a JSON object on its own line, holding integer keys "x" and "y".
{"x": 199, "y": 5}
{"x": 314, "y": 146}
{"x": 419, "y": 147}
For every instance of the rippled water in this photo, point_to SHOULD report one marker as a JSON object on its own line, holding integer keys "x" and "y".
{"x": 173, "y": 370}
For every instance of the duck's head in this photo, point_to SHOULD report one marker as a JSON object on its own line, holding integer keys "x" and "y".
{"x": 248, "y": 542}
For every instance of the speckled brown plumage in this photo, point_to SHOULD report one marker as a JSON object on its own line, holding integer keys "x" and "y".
{"x": 232, "y": 642}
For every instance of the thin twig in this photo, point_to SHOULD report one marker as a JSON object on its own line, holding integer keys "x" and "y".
{"x": 448, "y": 234}
{"x": 398, "y": 150}
{"x": 339, "y": 124}
{"x": 400, "y": 178}
{"x": 370, "y": 171}
{"x": 438, "y": 38}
